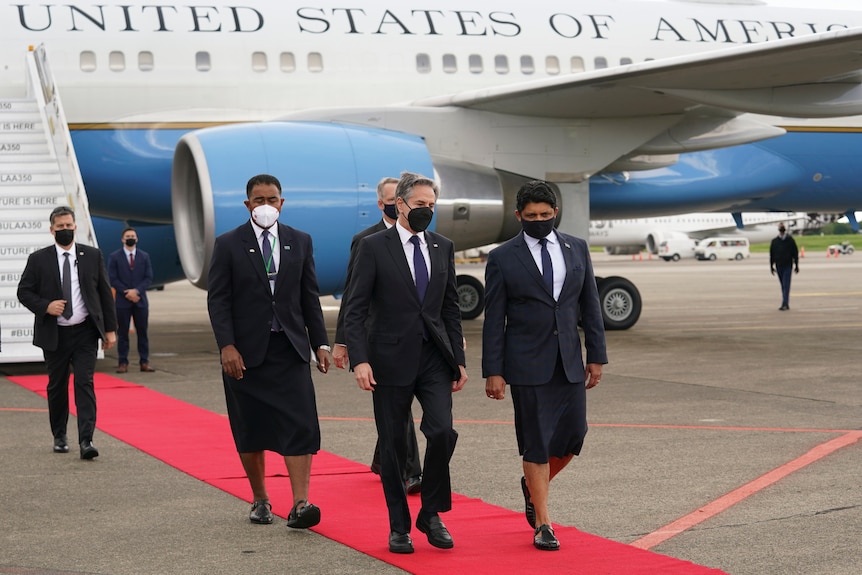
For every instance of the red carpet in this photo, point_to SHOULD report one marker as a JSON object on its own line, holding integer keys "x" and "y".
{"x": 199, "y": 443}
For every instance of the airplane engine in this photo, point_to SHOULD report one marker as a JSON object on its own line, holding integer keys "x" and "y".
{"x": 329, "y": 174}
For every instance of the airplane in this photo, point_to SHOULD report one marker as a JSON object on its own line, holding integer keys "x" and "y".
{"x": 630, "y": 108}
{"x": 622, "y": 237}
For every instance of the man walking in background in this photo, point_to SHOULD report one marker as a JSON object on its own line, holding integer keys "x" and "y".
{"x": 783, "y": 258}
{"x": 66, "y": 287}
{"x": 131, "y": 273}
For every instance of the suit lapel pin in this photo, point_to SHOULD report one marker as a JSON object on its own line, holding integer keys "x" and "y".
{"x": 435, "y": 245}
{"x": 251, "y": 250}
{"x": 567, "y": 245}
{"x": 287, "y": 247}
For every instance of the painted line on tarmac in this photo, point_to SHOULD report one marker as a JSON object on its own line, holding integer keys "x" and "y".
{"x": 741, "y": 493}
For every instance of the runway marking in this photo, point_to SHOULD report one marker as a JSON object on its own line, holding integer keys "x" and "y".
{"x": 741, "y": 493}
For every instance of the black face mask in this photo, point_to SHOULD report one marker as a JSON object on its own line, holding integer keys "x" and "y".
{"x": 390, "y": 211}
{"x": 64, "y": 237}
{"x": 538, "y": 229}
{"x": 131, "y": 242}
{"x": 419, "y": 218}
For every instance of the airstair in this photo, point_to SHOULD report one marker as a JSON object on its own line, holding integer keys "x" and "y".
{"x": 38, "y": 172}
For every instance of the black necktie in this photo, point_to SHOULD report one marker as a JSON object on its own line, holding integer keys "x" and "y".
{"x": 420, "y": 268}
{"x": 67, "y": 286}
{"x": 271, "y": 272}
{"x": 547, "y": 266}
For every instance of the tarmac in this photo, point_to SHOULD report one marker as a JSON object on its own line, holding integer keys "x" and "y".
{"x": 716, "y": 411}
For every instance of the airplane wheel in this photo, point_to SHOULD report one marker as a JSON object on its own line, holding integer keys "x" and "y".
{"x": 620, "y": 301}
{"x": 471, "y": 296}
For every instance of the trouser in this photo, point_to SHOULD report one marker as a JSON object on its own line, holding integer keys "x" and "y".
{"x": 77, "y": 347}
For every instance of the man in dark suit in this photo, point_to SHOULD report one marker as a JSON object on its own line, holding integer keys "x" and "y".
{"x": 386, "y": 204}
{"x": 66, "y": 287}
{"x": 403, "y": 330}
{"x": 264, "y": 307}
{"x": 131, "y": 273}
{"x": 538, "y": 286}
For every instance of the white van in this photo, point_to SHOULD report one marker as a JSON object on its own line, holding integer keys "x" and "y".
{"x": 731, "y": 248}
{"x": 675, "y": 249}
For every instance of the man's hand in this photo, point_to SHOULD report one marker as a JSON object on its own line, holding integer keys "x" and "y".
{"x": 56, "y": 307}
{"x": 495, "y": 387}
{"x": 231, "y": 361}
{"x": 339, "y": 354}
{"x": 324, "y": 360}
{"x": 797, "y": 269}
{"x": 593, "y": 374}
{"x": 111, "y": 339}
{"x": 458, "y": 385}
{"x": 132, "y": 295}
{"x": 364, "y": 376}
{"x": 772, "y": 271}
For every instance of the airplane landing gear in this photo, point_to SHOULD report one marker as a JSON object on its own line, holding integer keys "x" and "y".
{"x": 620, "y": 301}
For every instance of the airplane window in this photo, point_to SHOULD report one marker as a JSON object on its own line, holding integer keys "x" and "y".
{"x": 625, "y": 61}
{"x": 601, "y": 62}
{"x": 202, "y": 61}
{"x": 577, "y": 64}
{"x": 145, "y": 61}
{"x": 88, "y": 61}
{"x": 116, "y": 61}
{"x": 527, "y": 66}
{"x": 423, "y": 63}
{"x": 315, "y": 62}
{"x": 258, "y": 61}
{"x": 475, "y": 63}
{"x": 501, "y": 64}
{"x": 450, "y": 63}
{"x": 287, "y": 62}
{"x": 552, "y": 65}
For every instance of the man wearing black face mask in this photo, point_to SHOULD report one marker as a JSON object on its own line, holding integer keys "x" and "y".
{"x": 783, "y": 257}
{"x": 131, "y": 273}
{"x": 66, "y": 286}
{"x": 403, "y": 330}
{"x": 386, "y": 204}
{"x": 538, "y": 285}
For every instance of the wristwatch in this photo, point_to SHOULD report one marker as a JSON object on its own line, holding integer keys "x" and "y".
{"x": 325, "y": 348}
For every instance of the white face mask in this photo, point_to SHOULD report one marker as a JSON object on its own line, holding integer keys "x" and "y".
{"x": 264, "y": 216}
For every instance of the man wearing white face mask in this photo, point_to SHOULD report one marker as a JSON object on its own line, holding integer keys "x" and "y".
{"x": 265, "y": 312}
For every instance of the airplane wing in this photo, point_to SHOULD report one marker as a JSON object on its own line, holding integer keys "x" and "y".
{"x": 809, "y": 76}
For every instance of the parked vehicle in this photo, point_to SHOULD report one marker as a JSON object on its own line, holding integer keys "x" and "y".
{"x": 844, "y": 248}
{"x": 735, "y": 248}
{"x": 674, "y": 249}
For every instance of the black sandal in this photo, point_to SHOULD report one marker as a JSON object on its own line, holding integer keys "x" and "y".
{"x": 303, "y": 517}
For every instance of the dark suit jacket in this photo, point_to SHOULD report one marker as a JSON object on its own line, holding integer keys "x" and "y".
{"x": 339, "y": 325}
{"x": 240, "y": 302}
{"x": 40, "y": 285}
{"x": 525, "y": 328}
{"x": 123, "y": 278}
{"x": 384, "y": 320}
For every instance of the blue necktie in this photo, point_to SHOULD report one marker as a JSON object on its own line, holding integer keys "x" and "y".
{"x": 547, "y": 266}
{"x": 419, "y": 268}
{"x": 271, "y": 272}
{"x": 67, "y": 286}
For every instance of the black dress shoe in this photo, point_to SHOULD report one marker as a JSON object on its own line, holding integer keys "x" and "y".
{"x": 400, "y": 543}
{"x": 61, "y": 445}
{"x": 438, "y": 535}
{"x": 88, "y": 450}
{"x": 261, "y": 512}
{"x": 529, "y": 509}
{"x": 414, "y": 485}
{"x": 303, "y": 517}
{"x": 545, "y": 540}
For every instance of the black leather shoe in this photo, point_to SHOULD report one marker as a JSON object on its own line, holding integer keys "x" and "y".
{"x": 61, "y": 445}
{"x": 308, "y": 515}
{"x": 88, "y": 450}
{"x": 545, "y": 540}
{"x": 438, "y": 535}
{"x": 414, "y": 485}
{"x": 529, "y": 509}
{"x": 261, "y": 512}
{"x": 400, "y": 543}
